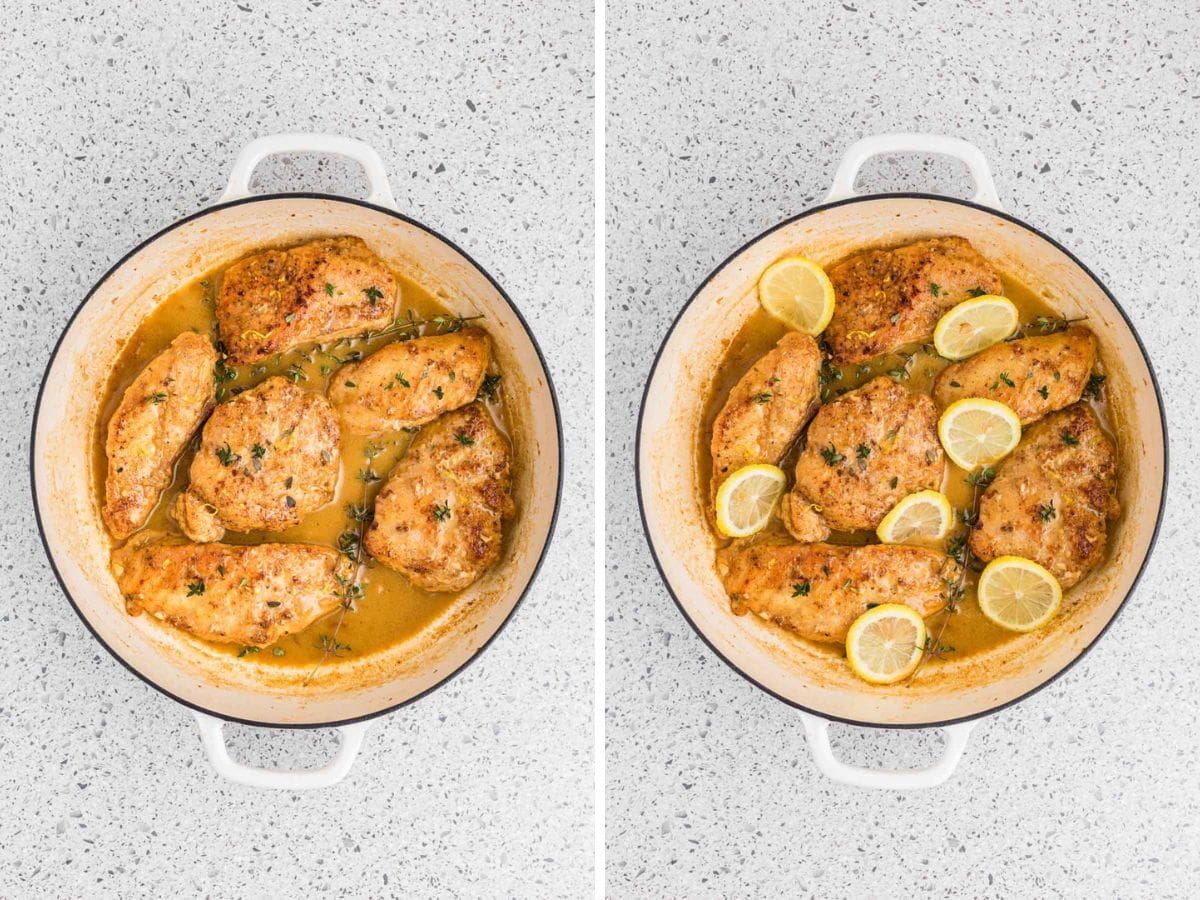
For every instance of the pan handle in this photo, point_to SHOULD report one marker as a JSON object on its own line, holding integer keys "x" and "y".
{"x": 212, "y": 737}
{"x": 880, "y": 144}
{"x": 816, "y": 730}
{"x": 332, "y": 144}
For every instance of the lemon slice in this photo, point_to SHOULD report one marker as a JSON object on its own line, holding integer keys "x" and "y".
{"x": 884, "y": 645}
{"x": 974, "y": 325}
{"x": 797, "y": 292}
{"x": 977, "y": 432}
{"x": 1018, "y": 594}
{"x": 918, "y": 518}
{"x": 747, "y": 498}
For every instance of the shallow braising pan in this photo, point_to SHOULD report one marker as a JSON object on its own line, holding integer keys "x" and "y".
{"x": 670, "y": 487}
{"x": 68, "y": 511}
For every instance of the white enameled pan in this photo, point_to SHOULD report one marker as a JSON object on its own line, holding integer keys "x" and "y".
{"x": 669, "y": 484}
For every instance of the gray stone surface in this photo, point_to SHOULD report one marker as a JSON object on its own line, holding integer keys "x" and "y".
{"x": 725, "y": 119}
{"x": 117, "y": 118}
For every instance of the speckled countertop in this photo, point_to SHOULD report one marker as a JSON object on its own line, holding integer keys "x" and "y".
{"x": 725, "y": 119}
{"x": 118, "y": 118}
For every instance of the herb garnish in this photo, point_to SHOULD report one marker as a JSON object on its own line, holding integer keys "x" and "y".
{"x": 1069, "y": 439}
{"x": 463, "y": 438}
{"x": 831, "y": 456}
{"x": 764, "y": 397}
{"x": 1046, "y": 511}
{"x": 157, "y": 397}
{"x": 226, "y": 456}
{"x": 441, "y": 513}
{"x": 488, "y": 388}
{"x": 1094, "y": 383}
{"x": 801, "y": 588}
{"x": 195, "y": 588}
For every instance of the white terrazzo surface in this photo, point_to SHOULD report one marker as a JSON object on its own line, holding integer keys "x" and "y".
{"x": 725, "y": 119}
{"x": 117, "y": 118}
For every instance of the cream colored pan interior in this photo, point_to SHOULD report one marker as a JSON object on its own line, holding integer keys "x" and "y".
{"x": 670, "y": 486}
{"x": 69, "y": 511}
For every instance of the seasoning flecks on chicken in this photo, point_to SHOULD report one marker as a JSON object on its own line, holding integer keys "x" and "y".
{"x": 767, "y": 408}
{"x": 157, "y": 416}
{"x": 889, "y": 298}
{"x": 410, "y": 383}
{"x": 1032, "y": 376}
{"x": 242, "y": 594}
{"x": 1052, "y": 497}
{"x": 818, "y": 590}
{"x": 866, "y": 450}
{"x": 278, "y": 299}
{"x": 439, "y": 518}
{"x": 267, "y": 458}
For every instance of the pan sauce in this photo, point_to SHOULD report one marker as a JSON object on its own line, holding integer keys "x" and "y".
{"x": 968, "y": 632}
{"x": 391, "y": 610}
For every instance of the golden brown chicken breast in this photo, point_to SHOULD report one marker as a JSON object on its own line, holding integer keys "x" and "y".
{"x": 818, "y": 590}
{"x": 410, "y": 383}
{"x": 326, "y": 289}
{"x": 1053, "y": 497}
{"x": 267, "y": 458}
{"x": 889, "y": 298}
{"x": 438, "y": 519}
{"x": 865, "y": 451}
{"x": 156, "y": 418}
{"x": 240, "y": 594}
{"x": 801, "y": 519}
{"x": 767, "y": 408}
{"x": 1031, "y": 376}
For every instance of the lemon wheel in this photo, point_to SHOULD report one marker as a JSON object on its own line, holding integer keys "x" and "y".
{"x": 977, "y": 432}
{"x": 884, "y": 645}
{"x": 797, "y": 292}
{"x": 975, "y": 325}
{"x": 922, "y": 517}
{"x": 1018, "y": 594}
{"x": 747, "y": 498}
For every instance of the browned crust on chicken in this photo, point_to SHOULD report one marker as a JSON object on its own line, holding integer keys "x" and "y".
{"x": 1053, "y": 497}
{"x": 267, "y": 458}
{"x": 157, "y": 416}
{"x": 439, "y": 518}
{"x": 1046, "y": 373}
{"x": 410, "y": 383}
{"x": 818, "y": 590}
{"x": 326, "y": 289}
{"x": 767, "y": 408}
{"x": 801, "y": 519}
{"x": 241, "y": 594}
{"x": 889, "y": 298}
{"x": 865, "y": 451}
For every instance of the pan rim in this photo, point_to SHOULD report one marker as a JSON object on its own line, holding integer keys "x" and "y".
{"x": 261, "y": 198}
{"x": 899, "y": 195}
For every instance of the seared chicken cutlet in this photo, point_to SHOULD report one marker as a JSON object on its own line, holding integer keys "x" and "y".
{"x": 865, "y": 451}
{"x": 1031, "y": 376}
{"x": 267, "y": 458}
{"x": 158, "y": 414}
{"x": 818, "y": 590}
{"x": 326, "y": 289}
{"x": 889, "y": 298}
{"x": 1053, "y": 497}
{"x": 767, "y": 408}
{"x": 240, "y": 594}
{"x": 410, "y": 383}
{"x": 438, "y": 519}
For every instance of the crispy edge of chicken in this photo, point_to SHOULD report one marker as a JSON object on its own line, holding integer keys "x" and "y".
{"x": 410, "y": 383}
{"x": 1051, "y": 500}
{"x": 157, "y": 416}
{"x": 767, "y": 408}
{"x": 250, "y": 594}
{"x": 439, "y": 518}
{"x": 322, "y": 290}
{"x": 1057, "y": 364}
{"x": 818, "y": 590}
{"x": 865, "y": 451}
{"x": 889, "y": 298}
{"x": 295, "y": 475}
